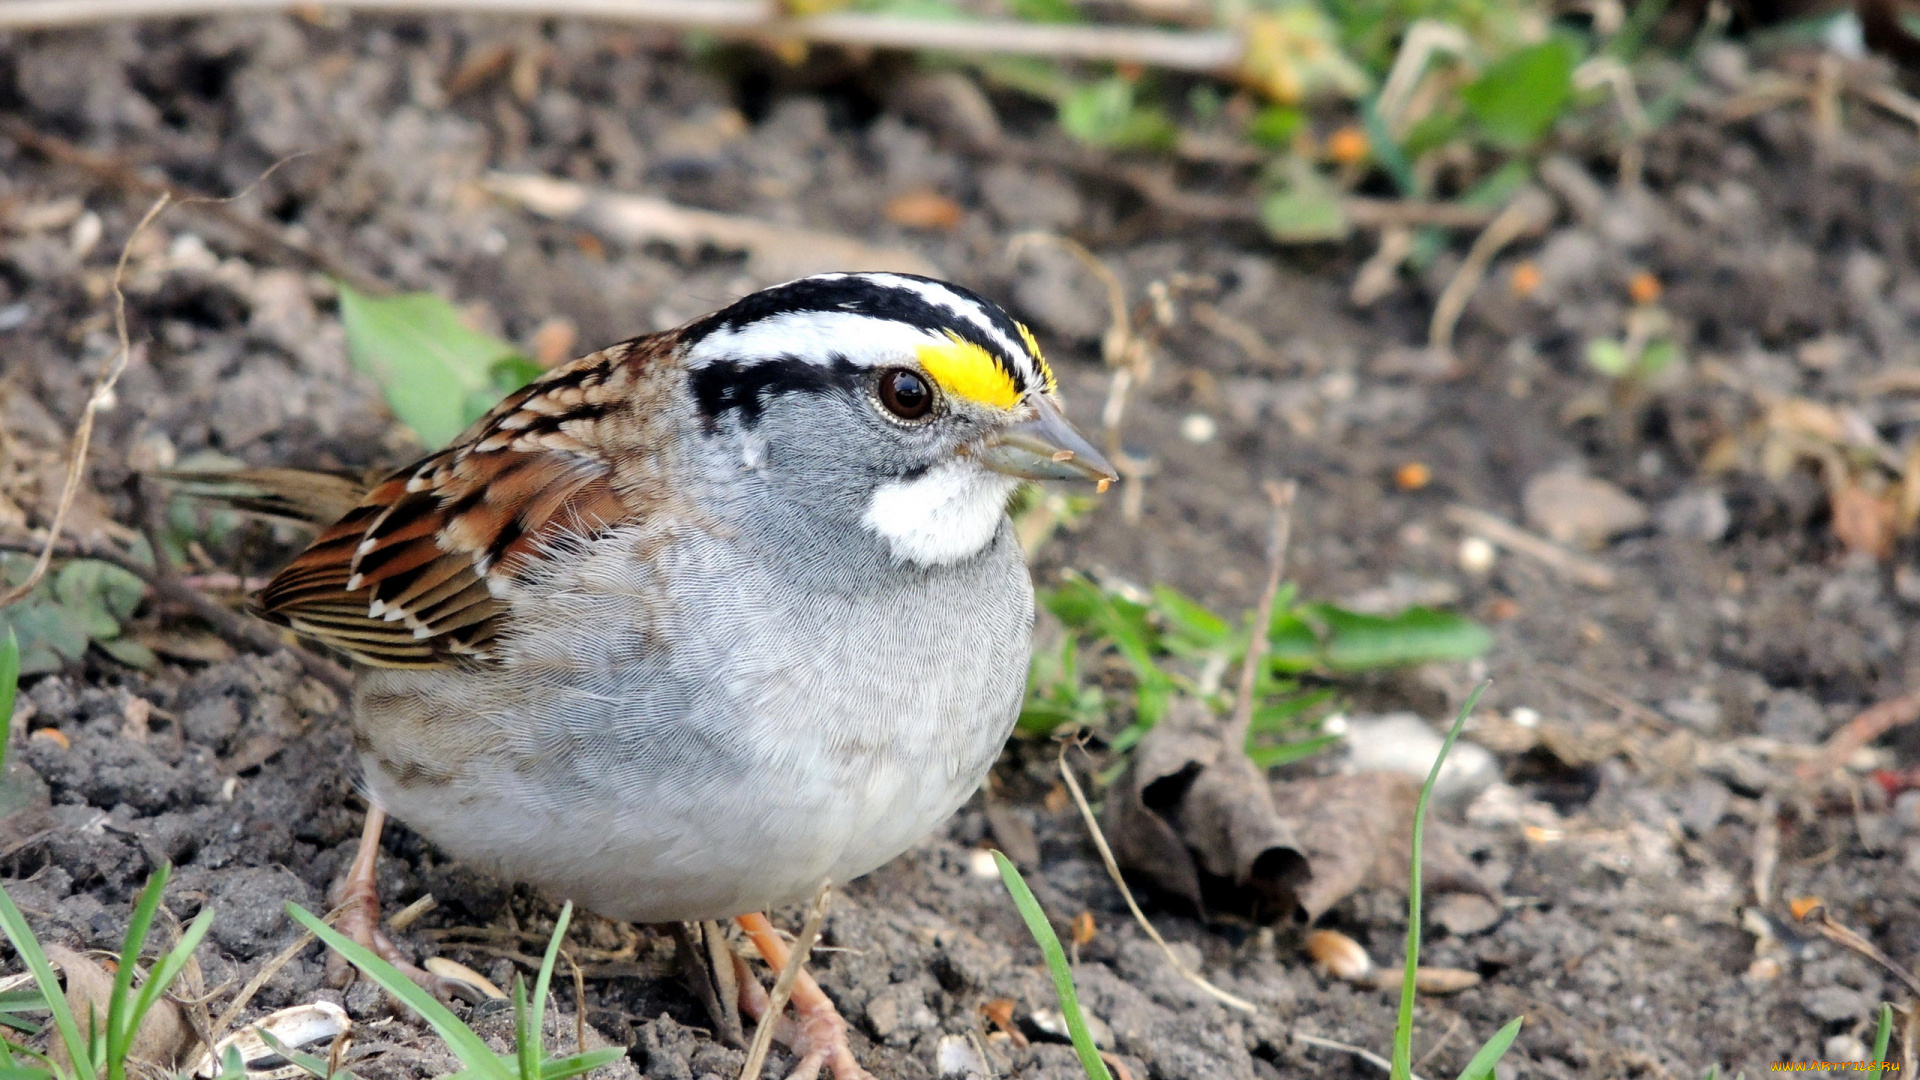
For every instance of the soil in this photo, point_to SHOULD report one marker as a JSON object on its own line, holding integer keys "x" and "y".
{"x": 1646, "y": 735}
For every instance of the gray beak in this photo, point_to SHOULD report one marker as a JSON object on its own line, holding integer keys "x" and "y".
{"x": 1046, "y": 447}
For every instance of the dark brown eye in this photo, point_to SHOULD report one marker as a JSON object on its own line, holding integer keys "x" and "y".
{"x": 905, "y": 394}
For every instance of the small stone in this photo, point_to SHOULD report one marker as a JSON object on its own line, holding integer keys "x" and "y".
{"x": 955, "y": 1056}
{"x": 1793, "y": 716}
{"x": 1476, "y": 555}
{"x": 1054, "y": 1024}
{"x": 1844, "y": 1047}
{"x": 1198, "y": 428}
{"x": 1571, "y": 508}
{"x": 1464, "y": 913}
{"x": 1404, "y": 743}
{"x": 1696, "y": 515}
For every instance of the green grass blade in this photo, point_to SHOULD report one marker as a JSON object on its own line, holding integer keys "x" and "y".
{"x": 1880, "y": 1040}
{"x": 24, "y": 943}
{"x": 23, "y": 1072}
{"x": 467, "y": 1046}
{"x": 575, "y": 1064}
{"x": 163, "y": 975}
{"x": 1403, "y": 1027}
{"x": 530, "y": 1062}
{"x": 120, "y": 1026}
{"x": 1489, "y": 1054}
{"x": 526, "y": 1037}
{"x": 1042, "y": 931}
{"x": 9, "y": 684}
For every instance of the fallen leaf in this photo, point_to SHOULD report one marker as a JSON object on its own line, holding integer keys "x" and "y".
{"x": 164, "y": 1033}
{"x": 1199, "y": 822}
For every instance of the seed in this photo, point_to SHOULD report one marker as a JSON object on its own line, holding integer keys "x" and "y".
{"x": 1525, "y": 280}
{"x": 1340, "y": 955}
{"x": 1083, "y": 928}
{"x": 1347, "y": 145}
{"x": 1412, "y": 476}
{"x": 54, "y": 736}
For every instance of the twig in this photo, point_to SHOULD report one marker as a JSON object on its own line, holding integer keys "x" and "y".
{"x": 1528, "y": 210}
{"x": 98, "y": 401}
{"x": 1360, "y": 1052}
{"x": 1113, "y": 871}
{"x": 1281, "y": 494}
{"x": 1606, "y": 695}
{"x": 774, "y": 251}
{"x": 783, "y": 985}
{"x": 1766, "y": 851}
{"x": 1202, "y": 51}
{"x": 230, "y": 625}
{"x": 1575, "y": 568}
{"x": 1843, "y": 935}
{"x": 1876, "y": 721}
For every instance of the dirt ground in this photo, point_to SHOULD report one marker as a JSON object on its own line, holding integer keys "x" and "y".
{"x": 1646, "y": 734}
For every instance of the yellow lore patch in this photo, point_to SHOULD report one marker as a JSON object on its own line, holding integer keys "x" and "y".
{"x": 970, "y": 372}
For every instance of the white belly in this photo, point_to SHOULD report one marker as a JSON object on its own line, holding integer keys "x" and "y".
{"x": 813, "y": 739}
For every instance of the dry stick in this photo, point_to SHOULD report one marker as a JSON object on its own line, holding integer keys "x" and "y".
{"x": 783, "y": 986}
{"x": 1201, "y": 51}
{"x": 1113, "y": 871}
{"x": 1240, "y": 721}
{"x": 1360, "y": 1052}
{"x": 1874, "y": 722}
{"x": 1530, "y": 209}
{"x": 1512, "y": 537}
{"x": 100, "y": 399}
{"x": 1841, "y": 934}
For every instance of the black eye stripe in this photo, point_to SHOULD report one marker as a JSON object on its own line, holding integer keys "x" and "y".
{"x": 725, "y": 386}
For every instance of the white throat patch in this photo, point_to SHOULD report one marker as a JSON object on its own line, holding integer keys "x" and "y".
{"x": 947, "y": 514}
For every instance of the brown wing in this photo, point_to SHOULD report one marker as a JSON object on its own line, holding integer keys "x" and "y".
{"x": 406, "y": 578}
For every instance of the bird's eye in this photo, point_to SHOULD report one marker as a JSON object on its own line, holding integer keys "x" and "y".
{"x": 905, "y": 394}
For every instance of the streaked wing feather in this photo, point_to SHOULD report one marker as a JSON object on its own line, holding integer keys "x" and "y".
{"x": 410, "y": 577}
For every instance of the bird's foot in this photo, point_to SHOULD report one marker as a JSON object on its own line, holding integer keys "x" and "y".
{"x": 816, "y": 1030}
{"x": 360, "y": 920}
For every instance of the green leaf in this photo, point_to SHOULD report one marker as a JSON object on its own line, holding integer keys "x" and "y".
{"x": 433, "y": 369}
{"x": 1042, "y": 931}
{"x": 1657, "y": 357}
{"x": 1266, "y": 757}
{"x": 129, "y": 652}
{"x": 1046, "y": 11}
{"x": 1292, "y": 646}
{"x": 1517, "y": 99}
{"x": 1608, "y": 357}
{"x": 1275, "y": 126}
{"x": 1190, "y": 627}
{"x": 1357, "y": 642}
{"x": 478, "y": 1057}
{"x": 1489, "y": 1054}
{"x": 1107, "y": 114}
{"x": 1307, "y": 210}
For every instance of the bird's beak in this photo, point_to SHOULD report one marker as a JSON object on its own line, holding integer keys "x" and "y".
{"x": 1045, "y": 447}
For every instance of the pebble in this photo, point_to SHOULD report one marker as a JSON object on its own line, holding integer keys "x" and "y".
{"x": 1198, "y": 428}
{"x": 1403, "y": 742}
{"x": 956, "y": 1056}
{"x": 1476, "y": 555}
{"x": 1696, "y": 515}
{"x": 1570, "y": 508}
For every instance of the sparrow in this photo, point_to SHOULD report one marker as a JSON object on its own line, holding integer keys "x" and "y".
{"x": 692, "y": 625}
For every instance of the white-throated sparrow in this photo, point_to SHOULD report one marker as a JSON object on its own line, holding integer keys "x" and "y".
{"x": 695, "y": 623}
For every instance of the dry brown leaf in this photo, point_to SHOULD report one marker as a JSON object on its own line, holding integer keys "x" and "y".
{"x": 164, "y": 1033}
{"x": 1357, "y": 831}
{"x": 1199, "y": 822}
